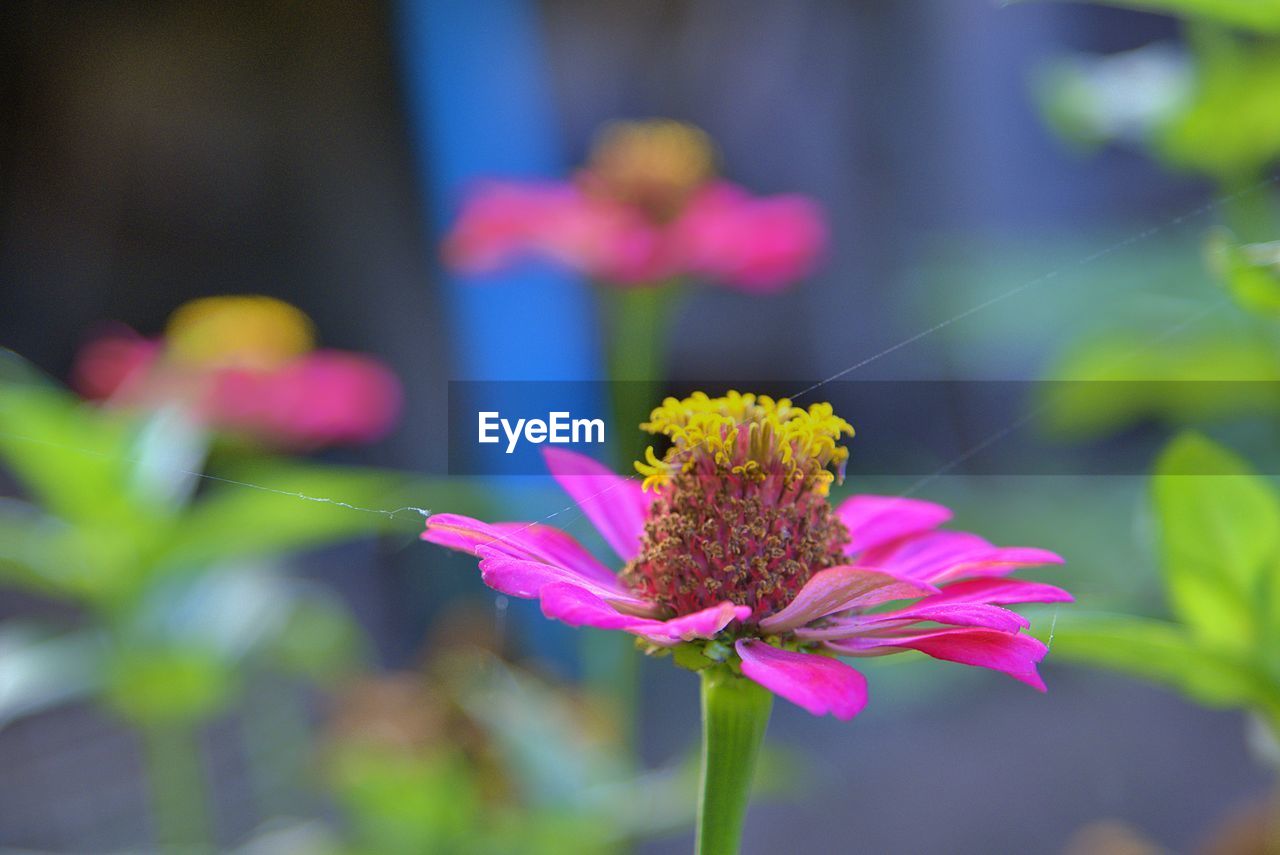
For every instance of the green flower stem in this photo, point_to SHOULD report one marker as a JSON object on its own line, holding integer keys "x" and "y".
{"x": 635, "y": 323}
{"x": 636, "y": 326}
{"x": 735, "y": 713}
{"x": 277, "y": 735}
{"x": 176, "y": 777}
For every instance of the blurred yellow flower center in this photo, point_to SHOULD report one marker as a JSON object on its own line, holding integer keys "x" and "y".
{"x": 656, "y": 164}
{"x": 747, "y": 436}
{"x": 252, "y": 332}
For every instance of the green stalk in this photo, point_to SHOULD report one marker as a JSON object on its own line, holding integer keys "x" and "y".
{"x": 635, "y": 323}
{"x": 637, "y": 359}
{"x": 176, "y": 777}
{"x": 277, "y": 735}
{"x": 735, "y": 713}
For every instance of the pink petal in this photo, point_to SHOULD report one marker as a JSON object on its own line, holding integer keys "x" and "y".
{"x": 836, "y": 589}
{"x": 528, "y": 541}
{"x": 999, "y": 561}
{"x": 1013, "y": 654}
{"x": 616, "y": 506}
{"x": 817, "y": 683}
{"x": 324, "y": 397}
{"x": 117, "y": 363}
{"x": 757, "y": 244}
{"x": 952, "y": 614}
{"x": 876, "y": 520}
{"x": 945, "y": 555}
{"x": 1000, "y": 591}
{"x": 522, "y": 578}
{"x": 560, "y": 547}
{"x": 701, "y": 624}
{"x": 924, "y": 556}
{"x": 579, "y": 607}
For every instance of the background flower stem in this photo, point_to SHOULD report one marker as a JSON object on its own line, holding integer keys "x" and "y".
{"x": 635, "y": 323}
{"x": 636, "y": 326}
{"x": 176, "y": 775}
{"x": 735, "y": 713}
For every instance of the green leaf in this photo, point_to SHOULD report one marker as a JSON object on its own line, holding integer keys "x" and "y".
{"x": 274, "y": 507}
{"x": 93, "y": 562}
{"x": 168, "y": 685}
{"x": 1163, "y": 652}
{"x": 318, "y": 640}
{"x": 1091, "y": 100}
{"x": 1231, "y": 128}
{"x": 544, "y": 734}
{"x": 1113, "y": 380}
{"x": 1251, "y": 272}
{"x": 1219, "y": 537}
{"x": 73, "y": 459}
{"x": 1260, "y": 15}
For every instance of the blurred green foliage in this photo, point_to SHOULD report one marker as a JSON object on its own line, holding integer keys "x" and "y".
{"x": 478, "y": 757}
{"x": 1219, "y": 546}
{"x": 1251, "y": 272}
{"x": 175, "y": 580}
{"x": 1259, "y": 15}
{"x": 1211, "y": 107}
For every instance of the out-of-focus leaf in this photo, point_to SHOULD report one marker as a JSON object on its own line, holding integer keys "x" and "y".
{"x": 1260, "y": 15}
{"x": 1251, "y": 272}
{"x": 318, "y": 639}
{"x": 239, "y": 612}
{"x": 1231, "y": 130}
{"x": 552, "y": 832}
{"x": 1092, "y": 100}
{"x": 1162, "y": 652}
{"x": 169, "y": 452}
{"x": 39, "y": 671}
{"x": 1220, "y": 541}
{"x": 1112, "y": 381}
{"x": 14, "y": 370}
{"x": 402, "y": 802}
{"x": 75, "y": 460}
{"x": 154, "y": 685}
{"x": 24, "y": 551}
{"x": 278, "y": 507}
{"x": 91, "y": 563}
{"x": 553, "y": 755}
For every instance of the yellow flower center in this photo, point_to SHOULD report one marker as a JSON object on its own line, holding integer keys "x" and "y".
{"x": 656, "y": 164}
{"x": 238, "y": 331}
{"x": 748, "y": 437}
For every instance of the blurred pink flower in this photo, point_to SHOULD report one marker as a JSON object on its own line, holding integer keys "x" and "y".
{"x": 757, "y": 244}
{"x": 737, "y": 551}
{"x": 262, "y": 380}
{"x": 644, "y": 211}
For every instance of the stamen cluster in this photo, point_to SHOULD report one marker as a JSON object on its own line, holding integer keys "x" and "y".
{"x": 751, "y": 437}
{"x": 740, "y": 512}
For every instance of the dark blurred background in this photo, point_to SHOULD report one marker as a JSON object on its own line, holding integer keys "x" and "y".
{"x": 154, "y": 152}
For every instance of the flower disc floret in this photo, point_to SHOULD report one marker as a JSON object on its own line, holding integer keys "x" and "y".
{"x": 749, "y": 437}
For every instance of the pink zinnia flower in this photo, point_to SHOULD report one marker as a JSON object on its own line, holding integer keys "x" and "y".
{"x": 645, "y": 210}
{"x": 245, "y": 365}
{"x": 730, "y": 547}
